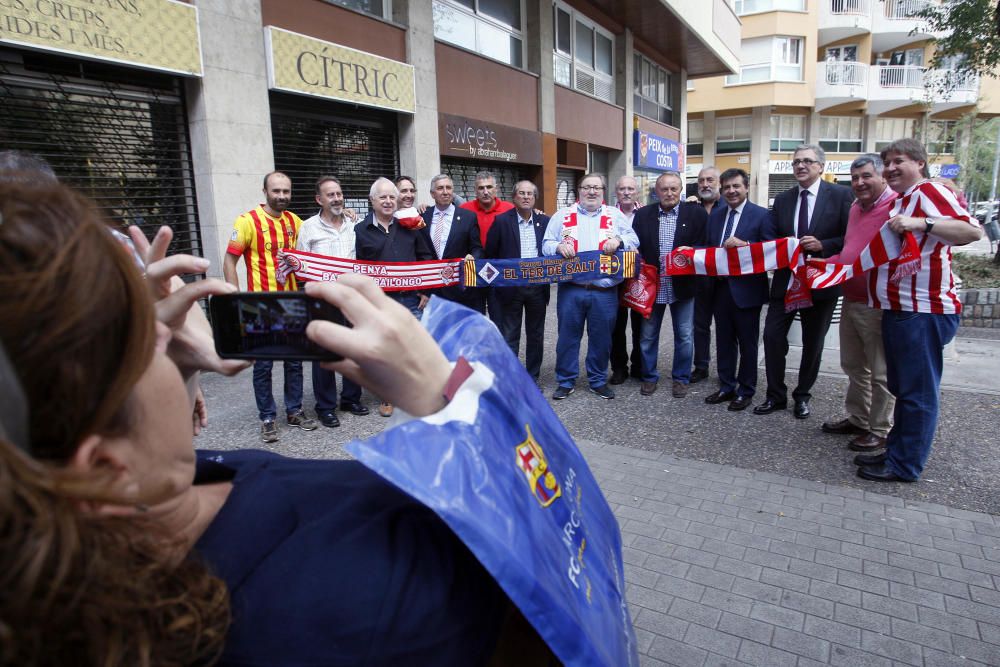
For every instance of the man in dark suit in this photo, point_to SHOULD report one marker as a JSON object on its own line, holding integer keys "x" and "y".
{"x": 661, "y": 228}
{"x": 709, "y": 196}
{"x": 519, "y": 233}
{"x": 453, "y": 232}
{"x": 816, "y": 212}
{"x": 736, "y": 302}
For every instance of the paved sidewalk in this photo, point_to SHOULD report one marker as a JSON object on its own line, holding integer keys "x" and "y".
{"x": 727, "y": 566}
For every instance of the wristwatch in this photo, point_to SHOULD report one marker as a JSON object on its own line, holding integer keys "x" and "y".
{"x": 928, "y": 225}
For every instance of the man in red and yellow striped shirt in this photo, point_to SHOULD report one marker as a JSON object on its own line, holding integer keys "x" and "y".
{"x": 257, "y": 237}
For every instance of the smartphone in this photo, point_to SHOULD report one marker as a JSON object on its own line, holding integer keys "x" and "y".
{"x": 270, "y": 326}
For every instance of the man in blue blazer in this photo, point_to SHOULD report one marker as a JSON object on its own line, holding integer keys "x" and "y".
{"x": 736, "y": 302}
{"x": 661, "y": 228}
{"x": 453, "y": 232}
{"x": 519, "y": 233}
{"x": 816, "y": 212}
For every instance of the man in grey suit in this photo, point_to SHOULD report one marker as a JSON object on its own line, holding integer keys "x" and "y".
{"x": 452, "y": 233}
{"x": 816, "y": 212}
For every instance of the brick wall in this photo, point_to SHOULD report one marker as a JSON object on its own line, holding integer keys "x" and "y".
{"x": 981, "y": 308}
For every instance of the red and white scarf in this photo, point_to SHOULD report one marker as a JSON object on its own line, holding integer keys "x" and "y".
{"x": 887, "y": 247}
{"x": 390, "y": 276}
{"x": 570, "y": 230}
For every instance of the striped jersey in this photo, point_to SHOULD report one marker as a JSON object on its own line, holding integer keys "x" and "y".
{"x": 257, "y": 237}
{"x": 932, "y": 288}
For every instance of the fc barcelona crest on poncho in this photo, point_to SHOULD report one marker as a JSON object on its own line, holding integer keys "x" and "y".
{"x": 531, "y": 461}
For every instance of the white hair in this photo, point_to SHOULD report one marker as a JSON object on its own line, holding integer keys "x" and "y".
{"x": 380, "y": 182}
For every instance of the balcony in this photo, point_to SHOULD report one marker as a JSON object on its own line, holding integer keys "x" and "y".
{"x": 895, "y": 86}
{"x": 895, "y": 23}
{"x": 950, "y": 90}
{"x": 840, "y": 19}
{"x": 840, "y": 82}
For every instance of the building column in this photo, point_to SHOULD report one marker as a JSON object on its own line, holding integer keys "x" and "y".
{"x": 620, "y": 163}
{"x": 708, "y": 143}
{"x": 419, "y": 149}
{"x": 541, "y": 43}
{"x": 868, "y": 132}
{"x": 760, "y": 154}
{"x": 229, "y": 121}
{"x": 812, "y": 129}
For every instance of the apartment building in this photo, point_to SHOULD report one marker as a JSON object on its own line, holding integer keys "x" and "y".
{"x": 170, "y": 112}
{"x": 848, "y": 75}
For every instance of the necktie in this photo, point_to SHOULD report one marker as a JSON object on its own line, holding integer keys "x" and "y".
{"x": 438, "y": 239}
{"x": 729, "y": 226}
{"x": 803, "y": 213}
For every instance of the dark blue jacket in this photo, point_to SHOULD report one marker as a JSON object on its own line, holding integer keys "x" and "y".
{"x": 691, "y": 219}
{"x": 503, "y": 241}
{"x": 747, "y": 291}
{"x": 463, "y": 239}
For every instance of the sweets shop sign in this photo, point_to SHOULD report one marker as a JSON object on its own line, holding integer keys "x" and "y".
{"x": 478, "y": 140}
{"x": 153, "y": 34}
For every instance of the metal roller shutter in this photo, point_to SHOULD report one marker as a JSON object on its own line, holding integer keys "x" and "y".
{"x": 566, "y": 187}
{"x": 777, "y": 184}
{"x": 117, "y": 134}
{"x": 313, "y": 138}
{"x": 463, "y": 174}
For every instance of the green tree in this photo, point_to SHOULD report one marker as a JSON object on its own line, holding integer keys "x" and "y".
{"x": 970, "y": 31}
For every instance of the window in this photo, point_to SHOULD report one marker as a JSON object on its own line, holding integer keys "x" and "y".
{"x": 599, "y": 162}
{"x": 742, "y": 7}
{"x": 583, "y": 58}
{"x": 840, "y": 134}
{"x": 652, "y": 91}
{"x": 787, "y": 133}
{"x": 941, "y": 136}
{"x": 888, "y": 130}
{"x": 696, "y": 137}
{"x": 376, "y": 8}
{"x": 488, "y": 27}
{"x": 769, "y": 59}
{"x": 732, "y": 134}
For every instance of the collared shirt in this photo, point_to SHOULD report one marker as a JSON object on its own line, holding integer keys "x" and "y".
{"x": 322, "y": 238}
{"x": 862, "y": 226}
{"x": 484, "y": 217}
{"x": 589, "y": 237}
{"x": 629, "y": 217}
{"x": 442, "y": 218}
{"x": 813, "y": 193}
{"x": 526, "y": 231}
{"x": 668, "y": 227}
{"x": 736, "y": 221}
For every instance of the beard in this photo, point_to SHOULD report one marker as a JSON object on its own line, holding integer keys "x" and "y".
{"x": 708, "y": 194}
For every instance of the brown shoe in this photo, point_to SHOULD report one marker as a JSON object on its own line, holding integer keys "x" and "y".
{"x": 868, "y": 442}
{"x": 842, "y": 427}
{"x": 385, "y": 409}
{"x": 680, "y": 390}
{"x": 647, "y": 388}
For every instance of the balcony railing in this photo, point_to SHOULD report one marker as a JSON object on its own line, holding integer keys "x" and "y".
{"x": 757, "y": 6}
{"x": 899, "y": 76}
{"x": 846, "y": 73}
{"x": 850, "y": 7}
{"x": 905, "y": 9}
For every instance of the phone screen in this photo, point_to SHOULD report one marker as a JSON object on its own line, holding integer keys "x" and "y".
{"x": 270, "y": 325}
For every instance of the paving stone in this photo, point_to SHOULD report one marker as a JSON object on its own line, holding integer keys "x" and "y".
{"x": 644, "y": 639}
{"x": 727, "y": 601}
{"x": 674, "y": 652}
{"x": 640, "y": 576}
{"x": 864, "y": 553}
{"x": 758, "y": 654}
{"x": 808, "y": 604}
{"x": 710, "y": 577}
{"x": 680, "y": 588}
{"x": 967, "y": 576}
{"x": 757, "y": 590}
{"x": 977, "y": 650}
{"x": 914, "y": 564}
{"x": 766, "y": 559}
{"x": 801, "y": 644}
{"x": 695, "y": 612}
{"x": 897, "y": 649}
{"x": 836, "y": 593}
{"x": 833, "y": 631}
{"x": 845, "y": 656}
{"x": 862, "y": 618}
{"x": 882, "y": 571}
{"x": 649, "y": 598}
{"x": 962, "y": 548}
{"x": 738, "y": 568}
{"x": 935, "y": 658}
{"x": 838, "y": 560}
{"x": 746, "y": 628}
{"x": 893, "y": 608}
{"x": 749, "y": 540}
{"x": 660, "y": 624}
{"x": 769, "y": 613}
{"x": 957, "y": 625}
{"x": 715, "y": 660}
{"x": 969, "y": 609}
{"x": 916, "y": 595}
{"x": 792, "y": 550}
{"x": 723, "y": 548}
{"x": 712, "y": 640}
{"x": 921, "y": 634}
{"x": 813, "y": 570}
{"x": 668, "y": 566}
{"x": 981, "y": 565}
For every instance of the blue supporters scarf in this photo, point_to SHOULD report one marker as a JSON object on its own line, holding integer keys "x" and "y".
{"x": 589, "y": 265}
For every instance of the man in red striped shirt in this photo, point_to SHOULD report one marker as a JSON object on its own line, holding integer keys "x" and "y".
{"x": 257, "y": 237}
{"x": 921, "y": 311}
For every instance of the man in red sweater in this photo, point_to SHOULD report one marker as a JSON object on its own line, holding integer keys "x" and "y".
{"x": 487, "y": 207}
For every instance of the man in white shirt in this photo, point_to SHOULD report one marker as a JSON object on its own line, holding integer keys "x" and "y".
{"x": 330, "y": 233}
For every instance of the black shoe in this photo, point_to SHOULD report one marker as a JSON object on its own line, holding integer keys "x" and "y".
{"x": 720, "y": 397}
{"x": 881, "y": 473}
{"x": 699, "y": 374}
{"x": 329, "y": 419}
{"x": 355, "y": 409}
{"x": 739, "y": 403}
{"x": 870, "y": 459}
{"x": 604, "y": 391}
{"x": 562, "y": 392}
{"x": 802, "y": 409}
{"x": 619, "y": 375}
{"x": 842, "y": 427}
{"x": 635, "y": 373}
{"x": 769, "y": 406}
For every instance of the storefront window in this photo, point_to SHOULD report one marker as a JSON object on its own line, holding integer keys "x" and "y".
{"x": 840, "y": 134}
{"x": 732, "y": 134}
{"x": 583, "y": 57}
{"x": 787, "y": 132}
{"x": 492, "y": 28}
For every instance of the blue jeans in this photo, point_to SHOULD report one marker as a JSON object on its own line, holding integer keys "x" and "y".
{"x": 682, "y": 319}
{"x": 597, "y": 309}
{"x": 262, "y": 388}
{"x": 410, "y": 300}
{"x": 325, "y": 389}
{"x": 914, "y": 345}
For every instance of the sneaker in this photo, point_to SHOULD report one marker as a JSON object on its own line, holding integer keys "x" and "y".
{"x": 268, "y": 431}
{"x": 604, "y": 391}
{"x": 329, "y": 419}
{"x": 562, "y": 392}
{"x": 299, "y": 420}
{"x": 385, "y": 409}
{"x": 680, "y": 390}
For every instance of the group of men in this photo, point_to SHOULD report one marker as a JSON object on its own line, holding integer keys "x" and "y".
{"x": 830, "y": 221}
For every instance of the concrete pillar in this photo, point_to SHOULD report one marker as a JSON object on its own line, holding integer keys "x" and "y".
{"x": 760, "y": 154}
{"x": 419, "y": 149}
{"x": 540, "y": 41}
{"x": 620, "y": 163}
{"x": 681, "y": 104}
{"x": 812, "y": 128}
{"x": 869, "y": 125}
{"x": 229, "y": 121}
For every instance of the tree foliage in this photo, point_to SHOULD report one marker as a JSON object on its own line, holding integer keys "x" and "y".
{"x": 971, "y": 31}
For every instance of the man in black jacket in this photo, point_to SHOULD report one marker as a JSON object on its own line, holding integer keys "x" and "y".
{"x": 816, "y": 212}
{"x": 661, "y": 228}
{"x": 519, "y": 233}
{"x": 453, "y": 232}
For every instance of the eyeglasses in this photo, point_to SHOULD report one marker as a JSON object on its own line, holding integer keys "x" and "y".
{"x": 804, "y": 160}
{"x": 591, "y": 188}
